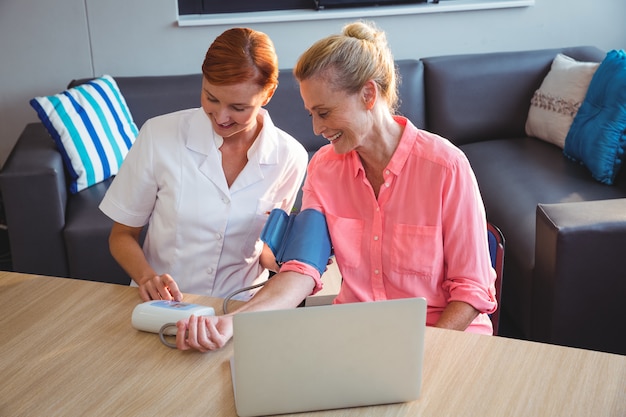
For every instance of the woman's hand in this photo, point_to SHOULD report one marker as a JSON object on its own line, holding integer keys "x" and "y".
{"x": 204, "y": 333}
{"x": 125, "y": 248}
{"x": 160, "y": 287}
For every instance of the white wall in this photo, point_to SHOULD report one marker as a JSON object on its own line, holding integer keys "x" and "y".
{"x": 44, "y": 44}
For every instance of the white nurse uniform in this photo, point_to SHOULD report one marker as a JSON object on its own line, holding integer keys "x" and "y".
{"x": 200, "y": 231}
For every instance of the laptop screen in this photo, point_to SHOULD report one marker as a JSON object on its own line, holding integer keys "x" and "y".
{"x": 327, "y": 357}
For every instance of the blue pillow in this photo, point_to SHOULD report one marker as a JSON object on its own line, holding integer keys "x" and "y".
{"x": 92, "y": 127}
{"x": 597, "y": 136}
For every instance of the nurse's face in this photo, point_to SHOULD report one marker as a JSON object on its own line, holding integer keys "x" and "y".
{"x": 233, "y": 109}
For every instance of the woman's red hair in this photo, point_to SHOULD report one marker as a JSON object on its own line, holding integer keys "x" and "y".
{"x": 239, "y": 55}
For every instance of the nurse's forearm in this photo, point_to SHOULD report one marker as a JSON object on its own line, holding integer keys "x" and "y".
{"x": 268, "y": 260}
{"x": 126, "y": 250}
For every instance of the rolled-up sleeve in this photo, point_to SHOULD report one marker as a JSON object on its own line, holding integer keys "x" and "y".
{"x": 304, "y": 269}
{"x": 470, "y": 277}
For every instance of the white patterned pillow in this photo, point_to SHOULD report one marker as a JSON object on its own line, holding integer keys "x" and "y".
{"x": 92, "y": 128}
{"x": 555, "y": 104}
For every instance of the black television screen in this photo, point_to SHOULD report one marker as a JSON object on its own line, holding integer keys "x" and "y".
{"x": 322, "y": 4}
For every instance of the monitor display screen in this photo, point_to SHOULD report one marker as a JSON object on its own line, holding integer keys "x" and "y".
{"x": 322, "y": 4}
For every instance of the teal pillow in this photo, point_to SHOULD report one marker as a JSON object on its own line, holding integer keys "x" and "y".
{"x": 92, "y": 127}
{"x": 597, "y": 136}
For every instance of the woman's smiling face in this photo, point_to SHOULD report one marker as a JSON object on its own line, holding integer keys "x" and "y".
{"x": 233, "y": 109}
{"x": 339, "y": 117}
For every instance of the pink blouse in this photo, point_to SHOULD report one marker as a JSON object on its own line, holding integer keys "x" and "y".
{"x": 425, "y": 235}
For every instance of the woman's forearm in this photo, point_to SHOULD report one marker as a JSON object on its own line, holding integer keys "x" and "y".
{"x": 458, "y": 315}
{"x": 283, "y": 290}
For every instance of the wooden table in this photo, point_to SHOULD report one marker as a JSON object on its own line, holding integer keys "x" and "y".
{"x": 68, "y": 349}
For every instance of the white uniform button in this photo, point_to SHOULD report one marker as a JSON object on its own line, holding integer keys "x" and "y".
{"x": 376, "y": 271}
{"x": 375, "y": 237}
{"x": 218, "y": 236}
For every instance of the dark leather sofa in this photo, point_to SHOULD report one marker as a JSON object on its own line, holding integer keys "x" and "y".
{"x": 564, "y": 274}
{"x": 565, "y": 232}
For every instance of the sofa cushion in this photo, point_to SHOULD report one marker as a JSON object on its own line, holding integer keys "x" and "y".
{"x": 555, "y": 104}
{"x": 92, "y": 128}
{"x": 597, "y": 136}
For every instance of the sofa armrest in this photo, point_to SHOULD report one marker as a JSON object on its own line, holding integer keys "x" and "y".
{"x": 578, "y": 285}
{"x": 34, "y": 190}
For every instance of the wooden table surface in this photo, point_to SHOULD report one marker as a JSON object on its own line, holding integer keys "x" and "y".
{"x": 68, "y": 349}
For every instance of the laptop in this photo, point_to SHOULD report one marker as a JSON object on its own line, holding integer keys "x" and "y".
{"x": 328, "y": 357}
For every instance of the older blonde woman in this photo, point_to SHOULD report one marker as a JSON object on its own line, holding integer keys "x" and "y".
{"x": 402, "y": 205}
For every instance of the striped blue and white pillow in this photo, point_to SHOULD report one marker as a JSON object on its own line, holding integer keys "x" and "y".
{"x": 92, "y": 127}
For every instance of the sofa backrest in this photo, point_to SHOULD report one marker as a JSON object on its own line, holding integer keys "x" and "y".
{"x": 150, "y": 96}
{"x": 288, "y": 113}
{"x": 464, "y": 98}
{"x": 486, "y": 96}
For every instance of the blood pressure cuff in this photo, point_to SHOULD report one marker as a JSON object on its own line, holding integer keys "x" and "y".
{"x": 300, "y": 236}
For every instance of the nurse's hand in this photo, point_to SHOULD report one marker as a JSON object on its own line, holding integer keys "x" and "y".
{"x": 268, "y": 260}
{"x": 160, "y": 287}
{"x": 204, "y": 333}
